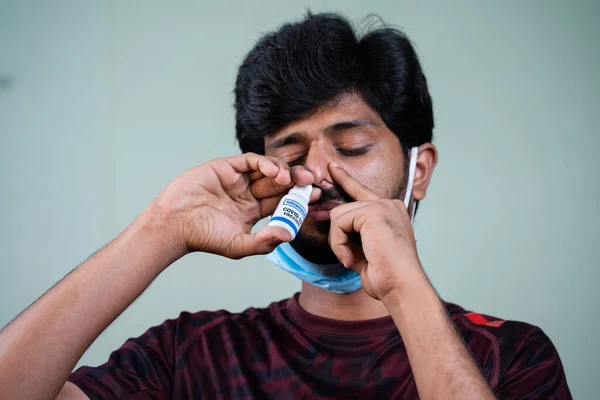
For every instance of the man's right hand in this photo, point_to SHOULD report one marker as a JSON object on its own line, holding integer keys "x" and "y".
{"x": 210, "y": 208}
{"x": 213, "y": 207}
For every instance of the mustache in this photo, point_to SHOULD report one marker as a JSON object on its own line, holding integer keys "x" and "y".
{"x": 334, "y": 194}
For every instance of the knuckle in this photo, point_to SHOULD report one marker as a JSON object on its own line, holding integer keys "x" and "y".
{"x": 331, "y": 239}
{"x": 390, "y": 205}
{"x": 386, "y": 202}
{"x": 379, "y": 207}
{"x": 398, "y": 203}
{"x": 333, "y": 226}
{"x": 335, "y": 213}
{"x": 275, "y": 160}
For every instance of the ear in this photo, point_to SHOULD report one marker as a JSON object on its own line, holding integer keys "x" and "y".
{"x": 426, "y": 161}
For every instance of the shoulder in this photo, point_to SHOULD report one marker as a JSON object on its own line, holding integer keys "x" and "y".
{"x": 482, "y": 327}
{"x": 147, "y": 364}
{"x": 504, "y": 338}
{"x": 504, "y": 348}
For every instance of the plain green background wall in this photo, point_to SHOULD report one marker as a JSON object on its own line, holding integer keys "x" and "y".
{"x": 102, "y": 103}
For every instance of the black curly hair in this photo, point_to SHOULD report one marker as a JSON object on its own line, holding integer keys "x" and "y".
{"x": 307, "y": 64}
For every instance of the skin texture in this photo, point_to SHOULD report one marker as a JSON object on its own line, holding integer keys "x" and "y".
{"x": 386, "y": 258}
{"x": 371, "y": 153}
{"x": 212, "y": 208}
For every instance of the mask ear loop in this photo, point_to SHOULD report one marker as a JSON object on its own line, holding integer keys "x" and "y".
{"x": 411, "y": 176}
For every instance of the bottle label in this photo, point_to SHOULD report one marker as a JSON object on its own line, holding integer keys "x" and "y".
{"x": 296, "y": 205}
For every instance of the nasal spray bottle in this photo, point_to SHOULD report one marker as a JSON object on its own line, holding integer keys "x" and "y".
{"x": 292, "y": 209}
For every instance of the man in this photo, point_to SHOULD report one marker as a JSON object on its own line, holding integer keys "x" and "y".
{"x": 315, "y": 105}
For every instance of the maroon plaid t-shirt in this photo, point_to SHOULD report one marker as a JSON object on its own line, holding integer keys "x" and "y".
{"x": 283, "y": 352}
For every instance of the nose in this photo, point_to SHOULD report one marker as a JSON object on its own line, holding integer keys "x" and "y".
{"x": 317, "y": 160}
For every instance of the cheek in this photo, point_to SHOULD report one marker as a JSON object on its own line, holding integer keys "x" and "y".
{"x": 382, "y": 173}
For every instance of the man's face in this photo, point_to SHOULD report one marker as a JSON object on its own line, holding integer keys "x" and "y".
{"x": 353, "y": 135}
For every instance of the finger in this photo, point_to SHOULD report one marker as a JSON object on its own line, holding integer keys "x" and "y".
{"x": 302, "y": 176}
{"x": 256, "y": 175}
{"x": 315, "y": 195}
{"x": 354, "y": 188}
{"x": 269, "y": 166}
{"x": 342, "y": 228}
{"x": 274, "y": 232}
{"x": 267, "y": 187}
{"x": 261, "y": 242}
{"x": 270, "y": 237}
{"x": 346, "y": 207}
{"x": 269, "y": 204}
{"x": 284, "y": 176}
{"x": 339, "y": 243}
{"x": 249, "y": 162}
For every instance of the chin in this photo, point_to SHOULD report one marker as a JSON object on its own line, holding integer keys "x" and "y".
{"x": 313, "y": 245}
{"x": 319, "y": 230}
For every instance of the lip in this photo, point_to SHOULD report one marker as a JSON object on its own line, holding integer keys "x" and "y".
{"x": 322, "y": 211}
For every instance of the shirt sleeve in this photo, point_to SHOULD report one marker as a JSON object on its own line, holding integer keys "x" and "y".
{"x": 142, "y": 368}
{"x": 535, "y": 372}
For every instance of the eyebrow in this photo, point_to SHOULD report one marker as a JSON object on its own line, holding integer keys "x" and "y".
{"x": 338, "y": 127}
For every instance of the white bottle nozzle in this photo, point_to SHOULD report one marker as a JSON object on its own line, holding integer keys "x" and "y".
{"x": 303, "y": 191}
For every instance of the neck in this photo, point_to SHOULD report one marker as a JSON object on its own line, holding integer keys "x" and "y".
{"x": 357, "y": 306}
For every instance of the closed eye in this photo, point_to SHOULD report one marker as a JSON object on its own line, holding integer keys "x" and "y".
{"x": 343, "y": 152}
{"x": 354, "y": 152}
{"x": 297, "y": 161}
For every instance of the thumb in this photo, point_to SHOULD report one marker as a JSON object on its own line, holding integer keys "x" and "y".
{"x": 261, "y": 242}
{"x": 271, "y": 237}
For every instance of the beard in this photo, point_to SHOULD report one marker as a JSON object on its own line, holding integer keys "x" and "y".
{"x": 314, "y": 246}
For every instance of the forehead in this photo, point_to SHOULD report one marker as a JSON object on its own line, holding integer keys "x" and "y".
{"x": 347, "y": 107}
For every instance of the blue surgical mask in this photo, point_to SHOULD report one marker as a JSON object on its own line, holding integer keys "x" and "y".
{"x": 334, "y": 278}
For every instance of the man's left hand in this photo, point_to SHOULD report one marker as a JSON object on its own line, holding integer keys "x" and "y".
{"x": 374, "y": 237}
